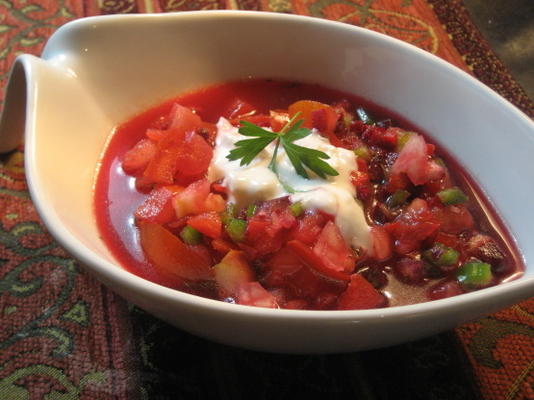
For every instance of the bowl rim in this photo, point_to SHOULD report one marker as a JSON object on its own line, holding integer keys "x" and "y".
{"x": 114, "y": 272}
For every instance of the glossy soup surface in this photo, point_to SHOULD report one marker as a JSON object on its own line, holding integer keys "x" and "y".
{"x": 404, "y": 277}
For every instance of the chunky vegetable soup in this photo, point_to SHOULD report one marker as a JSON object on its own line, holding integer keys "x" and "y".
{"x": 287, "y": 195}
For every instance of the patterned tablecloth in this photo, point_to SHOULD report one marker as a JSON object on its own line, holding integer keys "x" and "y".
{"x": 64, "y": 336}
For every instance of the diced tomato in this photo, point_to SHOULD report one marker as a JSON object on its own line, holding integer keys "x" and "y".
{"x": 253, "y": 294}
{"x": 308, "y": 227}
{"x": 314, "y": 262}
{"x": 360, "y": 295}
{"x": 162, "y": 167}
{"x": 397, "y": 181}
{"x": 379, "y": 136}
{"x": 155, "y": 134}
{"x": 286, "y": 270}
{"x": 381, "y": 243}
{"x": 215, "y": 202}
{"x": 454, "y": 219}
{"x": 260, "y": 120}
{"x": 143, "y": 185}
{"x": 192, "y": 199}
{"x": 332, "y": 249}
{"x": 362, "y": 183}
{"x": 266, "y": 230}
{"x": 183, "y": 119}
{"x": 257, "y": 239}
{"x": 325, "y": 122}
{"x": 414, "y": 161}
{"x": 414, "y": 225}
{"x": 171, "y": 256}
{"x": 179, "y": 149}
{"x": 158, "y": 207}
{"x": 233, "y": 271}
{"x": 315, "y": 114}
{"x": 196, "y": 199}
{"x": 280, "y": 266}
{"x": 218, "y": 188}
{"x": 208, "y": 223}
{"x": 362, "y": 164}
{"x": 137, "y": 158}
{"x": 222, "y": 246}
{"x": 195, "y": 155}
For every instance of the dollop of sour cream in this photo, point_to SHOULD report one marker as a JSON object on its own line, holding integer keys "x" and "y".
{"x": 256, "y": 182}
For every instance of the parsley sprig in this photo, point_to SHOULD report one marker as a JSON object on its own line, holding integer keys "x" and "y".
{"x": 301, "y": 157}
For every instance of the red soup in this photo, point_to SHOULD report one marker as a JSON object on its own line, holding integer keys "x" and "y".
{"x": 288, "y": 195}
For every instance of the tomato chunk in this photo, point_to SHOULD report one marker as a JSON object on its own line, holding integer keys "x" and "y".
{"x": 232, "y": 272}
{"x": 196, "y": 199}
{"x": 381, "y": 245}
{"x": 315, "y": 114}
{"x": 171, "y": 256}
{"x": 195, "y": 155}
{"x": 137, "y": 158}
{"x": 333, "y": 251}
{"x": 208, "y": 223}
{"x": 158, "y": 206}
{"x": 360, "y": 295}
{"x": 413, "y": 226}
{"x": 253, "y": 294}
{"x": 414, "y": 161}
{"x": 312, "y": 261}
{"x": 183, "y": 119}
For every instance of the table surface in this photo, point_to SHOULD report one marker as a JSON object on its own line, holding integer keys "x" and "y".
{"x": 508, "y": 25}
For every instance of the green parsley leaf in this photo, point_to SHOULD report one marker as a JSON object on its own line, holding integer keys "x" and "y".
{"x": 301, "y": 157}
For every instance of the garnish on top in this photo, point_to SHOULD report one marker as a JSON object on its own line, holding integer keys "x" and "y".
{"x": 300, "y": 156}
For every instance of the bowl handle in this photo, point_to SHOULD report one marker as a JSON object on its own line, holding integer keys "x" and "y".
{"x": 18, "y": 93}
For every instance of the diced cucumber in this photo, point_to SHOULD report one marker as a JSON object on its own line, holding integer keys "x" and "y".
{"x": 363, "y": 152}
{"x": 452, "y": 196}
{"x": 228, "y": 214}
{"x": 251, "y": 210}
{"x": 190, "y": 235}
{"x": 440, "y": 254}
{"x": 474, "y": 275}
{"x": 296, "y": 209}
{"x": 236, "y": 229}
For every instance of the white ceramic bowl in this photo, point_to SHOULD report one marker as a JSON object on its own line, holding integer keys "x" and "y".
{"x": 97, "y": 72}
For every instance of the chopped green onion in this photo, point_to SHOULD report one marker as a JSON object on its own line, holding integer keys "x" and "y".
{"x": 228, "y": 213}
{"x": 398, "y": 198}
{"x": 236, "y": 229}
{"x": 296, "y": 209}
{"x": 474, "y": 274}
{"x": 251, "y": 210}
{"x": 439, "y": 254}
{"x": 363, "y": 152}
{"x": 402, "y": 139}
{"x": 452, "y": 196}
{"x": 190, "y": 235}
{"x": 364, "y": 116}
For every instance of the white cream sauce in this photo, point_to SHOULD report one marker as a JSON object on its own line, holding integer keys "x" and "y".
{"x": 256, "y": 182}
